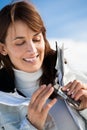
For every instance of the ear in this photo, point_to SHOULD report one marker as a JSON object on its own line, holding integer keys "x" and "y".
{"x": 3, "y": 49}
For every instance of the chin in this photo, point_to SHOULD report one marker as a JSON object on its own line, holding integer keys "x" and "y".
{"x": 32, "y": 70}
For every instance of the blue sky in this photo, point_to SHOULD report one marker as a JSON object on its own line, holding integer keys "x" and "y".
{"x": 65, "y": 21}
{"x": 62, "y": 18}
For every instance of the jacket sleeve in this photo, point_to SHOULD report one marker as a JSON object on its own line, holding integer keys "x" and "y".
{"x": 49, "y": 125}
{"x": 23, "y": 125}
{"x": 26, "y": 125}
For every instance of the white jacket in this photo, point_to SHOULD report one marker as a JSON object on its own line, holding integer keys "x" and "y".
{"x": 13, "y": 113}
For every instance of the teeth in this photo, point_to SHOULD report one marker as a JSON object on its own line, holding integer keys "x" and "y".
{"x": 30, "y": 59}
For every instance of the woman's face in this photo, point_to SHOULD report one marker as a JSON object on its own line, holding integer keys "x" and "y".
{"x": 25, "y": 47}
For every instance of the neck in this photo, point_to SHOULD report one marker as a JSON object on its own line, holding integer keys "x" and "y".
{"x": 26, "y": 82}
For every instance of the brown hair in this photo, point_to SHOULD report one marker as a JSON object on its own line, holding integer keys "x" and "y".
{"x": 27, "y": 13}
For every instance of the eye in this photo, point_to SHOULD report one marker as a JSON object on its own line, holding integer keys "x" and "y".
{"x": 20, "y": 43}
{"x": 36, "y": 40}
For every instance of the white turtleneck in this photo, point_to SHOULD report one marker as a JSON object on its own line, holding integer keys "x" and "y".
{"x": 26, "y": 82}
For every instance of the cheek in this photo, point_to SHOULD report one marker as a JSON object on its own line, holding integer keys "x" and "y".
{"x": 14, "y": 51}
{"x": 14, "y": 54}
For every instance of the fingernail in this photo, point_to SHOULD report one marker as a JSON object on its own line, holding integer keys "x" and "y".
{"x": 43, "y": 86}
{"x": 67, "y": 90}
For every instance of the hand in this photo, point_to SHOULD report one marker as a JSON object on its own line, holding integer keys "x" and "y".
{"x": 38, "y": 109}
{"x": 78, "y": 91}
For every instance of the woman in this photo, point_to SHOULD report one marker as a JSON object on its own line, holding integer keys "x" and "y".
{"x": 28, "y": 72}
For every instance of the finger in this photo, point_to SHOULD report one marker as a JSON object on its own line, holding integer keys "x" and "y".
{"x": 36, "y": 93}
{"x": 76, "y": 89}
{"x": 83, "y": 103}
{"x": 81, "y": 93}
{"x": 85, "y": 86}
{"x": 42, "y": 98}
{"x": 45, "y": 90}
{"x": 66, "y": 87}
{"x": 73, "y": 86}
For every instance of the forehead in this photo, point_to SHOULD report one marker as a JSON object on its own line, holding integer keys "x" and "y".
{"x": 19, "y": 28}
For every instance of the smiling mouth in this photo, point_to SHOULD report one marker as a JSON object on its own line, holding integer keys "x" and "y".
{"x": 31, "y": 60}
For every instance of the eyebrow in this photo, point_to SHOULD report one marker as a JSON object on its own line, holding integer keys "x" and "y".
{"x": 20, "y": 37}
{"x": 37, "y": 33}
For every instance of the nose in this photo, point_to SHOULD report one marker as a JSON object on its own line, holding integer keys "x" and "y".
{"x": 31, "y": 47}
